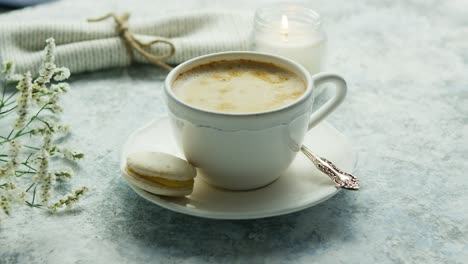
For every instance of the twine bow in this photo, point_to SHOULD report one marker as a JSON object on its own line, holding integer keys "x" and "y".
{"x": 131, "y": 43}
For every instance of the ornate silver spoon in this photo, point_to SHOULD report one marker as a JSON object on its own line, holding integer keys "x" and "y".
{"x": 340, "y": 178}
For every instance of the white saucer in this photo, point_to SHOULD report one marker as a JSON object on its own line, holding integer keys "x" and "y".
{"x": 300, "y": 187}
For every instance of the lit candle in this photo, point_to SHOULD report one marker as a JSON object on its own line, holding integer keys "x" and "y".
{"x": 293, "y": 32}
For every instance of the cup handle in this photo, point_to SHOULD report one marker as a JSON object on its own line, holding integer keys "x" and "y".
{"x": 327, "y": 108}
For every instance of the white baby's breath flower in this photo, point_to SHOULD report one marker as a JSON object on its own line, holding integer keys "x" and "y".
{"x": 10, "y": 194}
{"x": 51, "y": 127}
{"x": 39, "y": 93}
{"x": 61, "y": 74}
{"x": 62, "y": 87}
{"x": 5, "y": 204}
{"x": 45, "y": 179}
{"x": 15, "y": 195}
{"x": 3, "y": 171}
{"x": 18, "y": 196}
{"x": 65, "y": 87}
{"x": 70, "y": 154}
{"x": 45, "y": 73}
{"x": 8, "y": 72}
{"x": 39, "y": 90}
{"x": 39, "y": 130}
{"x": 54, "y": 98}
{"x": 44, "y": 90}
{"x": 14, "y": 149}
{"x": 43, "y": 166}
{"x": 47, "y": 187}
{"x": 8, "y": 170}
{"x": 64, "y": 173}
{"x": 70, "y": 199}
{"x": 47, "y": 69}
{"x": 24, "y": 83}
{"x": 67, "y": 153}
{"x": 40, "y": 101}
{"x": 56, "y": 108}
{"x": 50, "y": 51}
{"x": 55, "y": 88}
{"x": 63, "y": 129}
{"x": 8, "y": 186}
{"x": 24, "y": 86}
{"x": 47, "y": 144}
{"x": 34, "y": 163}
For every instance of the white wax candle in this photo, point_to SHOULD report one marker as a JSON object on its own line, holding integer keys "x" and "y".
{"x": 294, "y": 41}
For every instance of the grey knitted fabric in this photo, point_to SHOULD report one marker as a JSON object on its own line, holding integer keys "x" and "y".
{"x": 83, "y": 46}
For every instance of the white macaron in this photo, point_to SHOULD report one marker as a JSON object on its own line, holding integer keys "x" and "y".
{"x": 160, "y": 173}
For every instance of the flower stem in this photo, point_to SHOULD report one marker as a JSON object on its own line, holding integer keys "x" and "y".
{"x": 2, "y": 102}
{"x": 11, "y": 132}
{"x": 45, "y": 122}
{"x": 27, "y": 190}
{"x": 27, "y": 159}
{"x": 24, "y": 172}
{"x": 25, "y": 133}
{"x": 30, "y": 120}
{"x": 34, "y": 195}
{"x": 29, "y": 147}
{"x": 9, "y": 110}
{"x": 20, "y": 132}
{"x": 5, "y": 101}
{"x": 9, "y": 97}
{"x": 27, "y": 166}
{"x": 5, "y": 104}
{"x": 30, "y": 170}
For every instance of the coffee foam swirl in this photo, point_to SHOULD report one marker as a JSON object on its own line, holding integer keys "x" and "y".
{"x": 238, "y": 86}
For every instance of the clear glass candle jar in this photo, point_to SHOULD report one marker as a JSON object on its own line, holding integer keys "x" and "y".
{"x": 292, "y": 31}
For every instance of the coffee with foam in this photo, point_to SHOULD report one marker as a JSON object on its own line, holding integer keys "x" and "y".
{"x": 238, "y": 87}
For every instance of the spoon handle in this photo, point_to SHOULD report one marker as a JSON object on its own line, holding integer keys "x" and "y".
{"x": 340, "y": 178}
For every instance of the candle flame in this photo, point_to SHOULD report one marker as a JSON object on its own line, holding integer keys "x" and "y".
{"x": 284, "y": 23}
{"x": 284, "y": 27}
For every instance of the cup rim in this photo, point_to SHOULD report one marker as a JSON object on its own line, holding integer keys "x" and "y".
{"x": 176, "y": 71}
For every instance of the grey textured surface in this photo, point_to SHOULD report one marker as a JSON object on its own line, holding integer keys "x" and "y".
{"x": 406, "y": 63}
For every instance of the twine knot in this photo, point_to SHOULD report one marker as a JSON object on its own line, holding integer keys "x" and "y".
{"x": 131, "y": 43}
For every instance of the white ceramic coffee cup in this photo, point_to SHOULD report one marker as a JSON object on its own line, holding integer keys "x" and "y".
{"x": 247, "y": 151}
